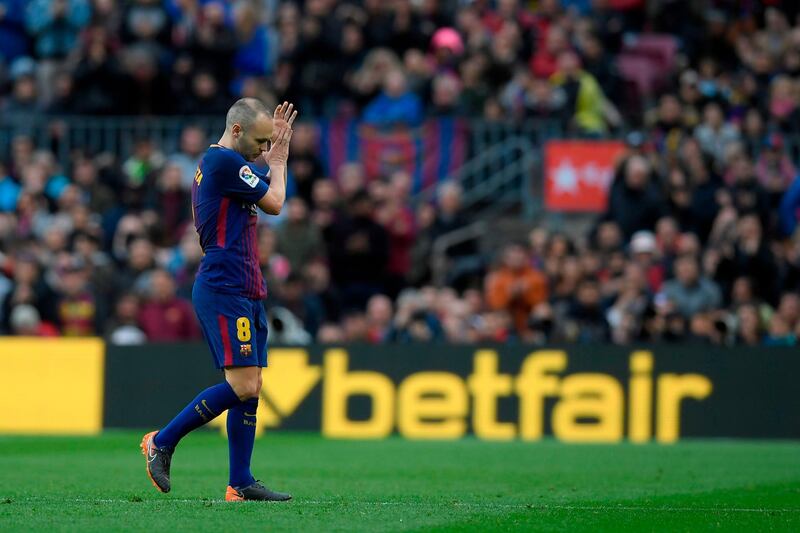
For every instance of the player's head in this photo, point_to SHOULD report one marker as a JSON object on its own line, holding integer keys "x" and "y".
{"x": 249, "y": 125}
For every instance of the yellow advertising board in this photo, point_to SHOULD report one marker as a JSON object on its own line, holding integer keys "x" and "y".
{"x": 51, "y": 386}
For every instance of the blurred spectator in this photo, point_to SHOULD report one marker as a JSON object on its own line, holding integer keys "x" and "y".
{"x": 98, "y": 78}
{"x": 414, "y": 321}
{"x": 626, "y": 314}
{"x": 379, "y": 318}
{"x": 779, "y": 333}
{"x": 298, "y": 238}
{"x": 790, "y": 208}
{"x": 317, "y": 278}
{"x": 396, "y": 105}
{"x": 123, "y": 328}
{"x": 55, "y": 24}
{"x": 689, "y": 292}
{"x": 305, "y": 165}
{"x": 750, "y": 330}
{"x": 714, "y": 134}
{"x": 305, "y": 306}
{"x": 774, "y": 169}
{"x": 192, "y": 147}
{"x": 24, "y": 98}
{"x": 25, "y": 321}
{"x": 98, "y": 197}
{"x": 211, "y": 42}
{"x": 163, "y": 316}
{"x": 585, "y": 320}
{"x": 750, "y": 256}
{"x": 544, "y": 62}
{"x": 171, "y": 203}
{"x": 12, "y": 30}
{"x": 9, "y": 191}
{"x": 358, "y": 252}
{"x": 643, "y": 250}
{"x": 78, "y": 312}
{"x": 355, "y": 327}
{"x": 140, "y": 260}
{"x": 397, "y": 219}
{"x": 635, "y": 202}
{"x": 146, "y": 88}
{"x": 206, "y": 97}
{"x": 592, "y": 113}
{"x": 29, "y": 288}
{"x": 515, "y": 287}
{"x": 330, "y": 334}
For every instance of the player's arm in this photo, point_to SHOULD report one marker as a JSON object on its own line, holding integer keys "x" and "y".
{"x": 276, "y": 158}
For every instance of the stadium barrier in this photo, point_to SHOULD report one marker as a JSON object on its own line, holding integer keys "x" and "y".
{"x": 575, "y": 394}
{"x": 51, "y": 386}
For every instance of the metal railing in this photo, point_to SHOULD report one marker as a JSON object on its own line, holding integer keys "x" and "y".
{"x": 498, "y": 176}
{"x": 439, "y": 262}
{"x": 117, "y": 135}
{"x": 496, "y": 179}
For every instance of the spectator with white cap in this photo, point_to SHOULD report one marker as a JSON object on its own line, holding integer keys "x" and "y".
{"x": 644, "y": 252}
{"x": 25, "y": 321}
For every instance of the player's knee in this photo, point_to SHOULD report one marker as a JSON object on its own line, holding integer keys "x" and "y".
{"x": 245, "y": 382}
{"x": 246, "y": 389}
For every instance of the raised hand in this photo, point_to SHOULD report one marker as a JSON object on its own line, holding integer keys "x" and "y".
{"x": 282, "y": 121}
{"x": 283, "y": 116}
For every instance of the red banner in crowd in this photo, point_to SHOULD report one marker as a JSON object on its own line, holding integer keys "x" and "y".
{"x": 578, "y": 174}
{"x": 429, "y": 153}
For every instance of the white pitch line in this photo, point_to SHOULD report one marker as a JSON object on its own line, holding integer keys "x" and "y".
{"x": 522, "y": 506}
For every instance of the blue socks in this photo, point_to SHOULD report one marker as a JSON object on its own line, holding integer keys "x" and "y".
{"x": 241, "y": 437}
{"x": 207, "y": 406}
{"x": 241, "y": 427}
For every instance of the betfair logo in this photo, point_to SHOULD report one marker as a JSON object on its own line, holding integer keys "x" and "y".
{"x": 583, "y": 407}
{"x": 288, "y": 380}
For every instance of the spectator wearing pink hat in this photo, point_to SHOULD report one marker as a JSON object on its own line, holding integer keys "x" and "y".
{"x": 446, "y": 44}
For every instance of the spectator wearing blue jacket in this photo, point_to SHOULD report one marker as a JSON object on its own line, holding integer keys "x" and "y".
{"x": 9, "y": 191}
{"x": 789, "y": 211}
{"x": 55, "y": 25}
{"x": 257, "y": 45}
{"x": 12, "y": 30}
{"x": 396, "y": 105}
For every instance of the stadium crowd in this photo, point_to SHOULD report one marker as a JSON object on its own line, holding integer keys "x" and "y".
{"x": 699, "y": 242}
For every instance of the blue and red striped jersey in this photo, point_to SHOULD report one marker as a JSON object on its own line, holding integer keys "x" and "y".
{"x": 224, "y": 193}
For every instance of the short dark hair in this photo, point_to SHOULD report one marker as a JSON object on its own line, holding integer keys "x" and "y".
{"x": 244, "y": 112}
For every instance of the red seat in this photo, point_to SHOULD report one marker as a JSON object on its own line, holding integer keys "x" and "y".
{"x": 662, "y": 48}
{"x": 642, "y": 71}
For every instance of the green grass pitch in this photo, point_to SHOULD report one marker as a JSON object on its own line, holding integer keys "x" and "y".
{"x": 99, "y": 484}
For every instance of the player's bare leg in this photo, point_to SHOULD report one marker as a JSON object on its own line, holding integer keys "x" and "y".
{"x": 246, "y": 383}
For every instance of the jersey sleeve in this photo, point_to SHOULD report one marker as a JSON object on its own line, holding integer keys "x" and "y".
{"x": 243, "y": 182}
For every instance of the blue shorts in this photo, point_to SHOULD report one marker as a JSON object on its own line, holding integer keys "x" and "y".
{"x": 235, "y": 327}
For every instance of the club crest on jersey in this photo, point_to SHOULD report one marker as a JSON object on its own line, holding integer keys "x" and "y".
{"x": 248, "y": 177}
{"x": 245, "y": 349}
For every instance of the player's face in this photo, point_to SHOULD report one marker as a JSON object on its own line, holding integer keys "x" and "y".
{"x": 255, "y": 139}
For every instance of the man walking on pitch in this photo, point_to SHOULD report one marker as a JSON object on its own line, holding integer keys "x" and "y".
{"x": 229, "y": 288}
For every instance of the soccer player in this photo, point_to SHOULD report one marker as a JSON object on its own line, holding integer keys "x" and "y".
{"x": 229, "y": 288}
